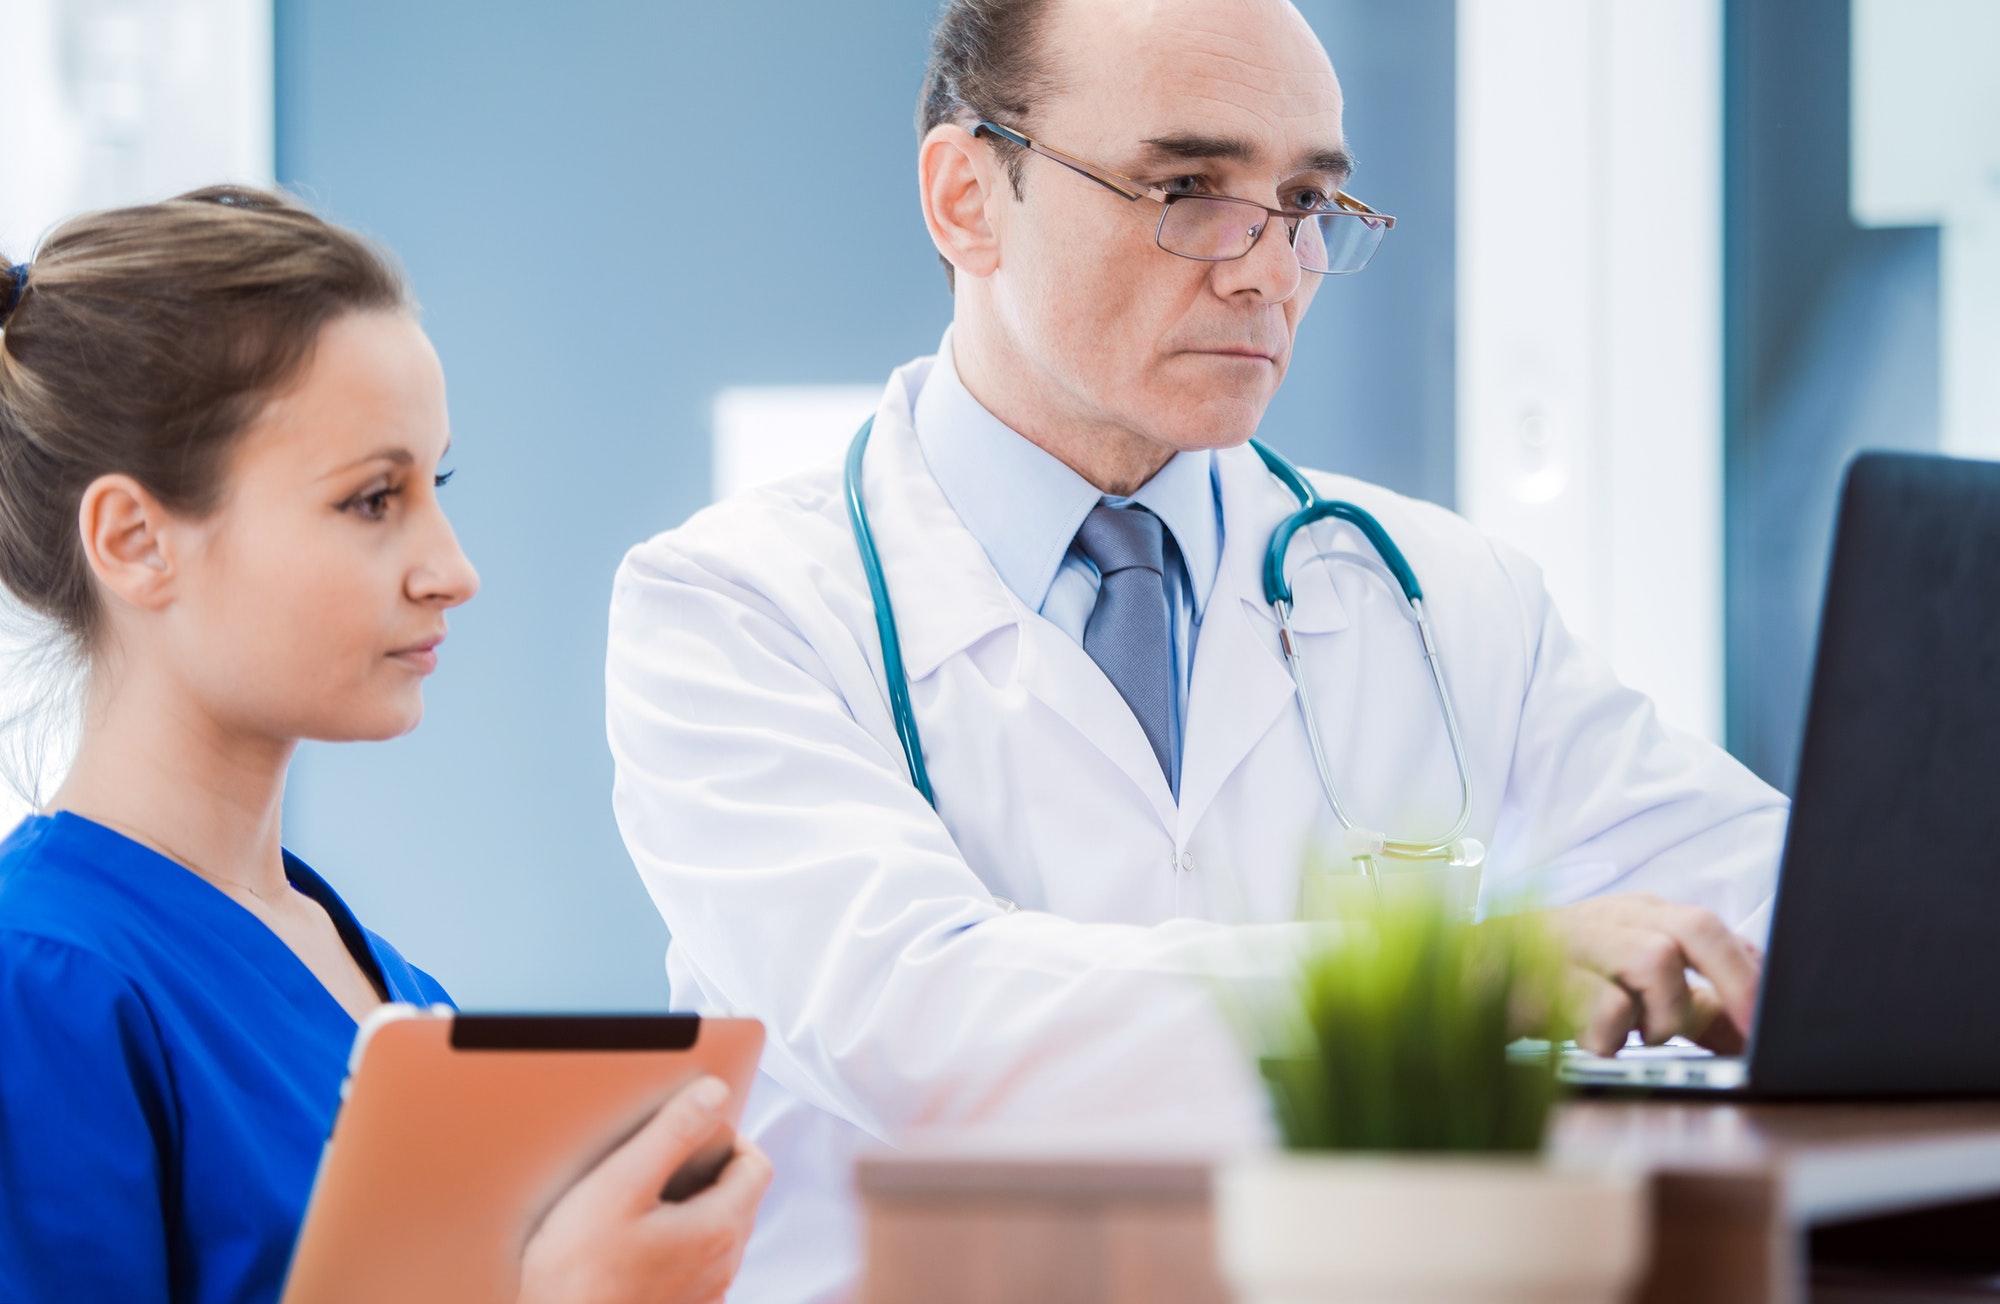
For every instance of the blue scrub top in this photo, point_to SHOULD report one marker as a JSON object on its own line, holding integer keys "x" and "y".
{"x": 169, "y": 1072}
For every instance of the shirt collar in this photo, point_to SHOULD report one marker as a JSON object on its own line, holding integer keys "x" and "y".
{"x": 1024, "y": 506}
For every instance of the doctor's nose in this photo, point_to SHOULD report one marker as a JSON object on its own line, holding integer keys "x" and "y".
{"x": 1270, "y": 270}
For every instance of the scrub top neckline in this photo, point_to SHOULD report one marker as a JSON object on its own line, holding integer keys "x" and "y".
{"x": 210, "y": 906}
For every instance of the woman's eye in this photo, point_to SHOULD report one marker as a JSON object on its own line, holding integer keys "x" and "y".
{"x": 372, "y": 506}
{"x": 443, "y": 478}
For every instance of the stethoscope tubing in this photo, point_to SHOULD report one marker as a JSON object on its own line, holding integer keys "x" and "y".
{"x": 1407, "y": 850}
{"x": 1277, "y": 591}
{"x": 885, "y": 618}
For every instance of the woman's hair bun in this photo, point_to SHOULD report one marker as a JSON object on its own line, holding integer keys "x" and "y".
{"x": 11, "y": 291}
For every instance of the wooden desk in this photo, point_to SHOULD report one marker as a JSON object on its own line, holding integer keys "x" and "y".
{"x": 1735, "y": 1190}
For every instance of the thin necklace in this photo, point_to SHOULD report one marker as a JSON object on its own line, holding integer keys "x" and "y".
{"x": 229, "y": 887}
{"x": 232, "y": 889}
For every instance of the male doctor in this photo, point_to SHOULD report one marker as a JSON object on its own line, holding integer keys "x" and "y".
{"x": 1071, "y": 528}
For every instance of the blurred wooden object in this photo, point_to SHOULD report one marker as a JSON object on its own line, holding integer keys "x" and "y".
{"x": 1736, "y": 1189}
{"x": 956, "y": 1225}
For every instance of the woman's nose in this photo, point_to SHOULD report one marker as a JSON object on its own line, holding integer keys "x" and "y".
{"x": 445, "y": 575}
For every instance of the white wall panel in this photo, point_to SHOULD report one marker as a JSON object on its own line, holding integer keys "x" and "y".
{"x": 108, "y": 102}
{"x": 765, "y": 432}
{"x": 1926, "y": 149}
{"x": 118, "y": 101}
{"x": 1589, "y": 321}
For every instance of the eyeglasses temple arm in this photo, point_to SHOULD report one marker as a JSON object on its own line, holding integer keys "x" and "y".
{"x": 1349, "y": 204}
{"x": 1123, "y": 187}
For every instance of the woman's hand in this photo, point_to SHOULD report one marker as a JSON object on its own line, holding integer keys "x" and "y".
{"x": 612, "y": 1240}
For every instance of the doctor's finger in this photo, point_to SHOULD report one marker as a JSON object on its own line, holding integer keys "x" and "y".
{"x": 1647, "y": 963}
{"x": 631, "y": 1176}
{"x": 1712, "y": 1026}
{"x": 1606, "y": 1013}
{"x": 1718, "y": 955}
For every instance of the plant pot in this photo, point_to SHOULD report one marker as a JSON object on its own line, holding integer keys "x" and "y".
{"x": 1324, "y": 1228}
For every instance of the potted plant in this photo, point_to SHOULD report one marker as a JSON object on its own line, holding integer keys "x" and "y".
{"x": 1412, "y": 1166}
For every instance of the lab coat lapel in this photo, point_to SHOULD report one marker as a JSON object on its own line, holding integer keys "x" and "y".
{"x": 1057, "y": 670}
{"x": 947, "y": 597}
{"x": 1241, "y": 687}
{"x": 942, "y": 586}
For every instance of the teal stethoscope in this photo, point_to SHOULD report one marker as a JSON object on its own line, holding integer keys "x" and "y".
{"x": 1364, "y": 845}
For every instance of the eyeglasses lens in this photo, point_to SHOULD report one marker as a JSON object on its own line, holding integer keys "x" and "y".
{"x": 1217, "y": 230}
{"x": 1338, "y": 243}
{"x": 1213, "y": 230}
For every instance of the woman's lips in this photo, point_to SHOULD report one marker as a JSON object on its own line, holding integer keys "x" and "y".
{"x": 421, "y": 657}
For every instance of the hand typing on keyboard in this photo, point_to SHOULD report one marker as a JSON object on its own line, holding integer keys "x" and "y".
{"x": 1631, "y": 960}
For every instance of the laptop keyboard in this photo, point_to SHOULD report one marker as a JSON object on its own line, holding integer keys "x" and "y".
{"x": 1675, "y": 1066}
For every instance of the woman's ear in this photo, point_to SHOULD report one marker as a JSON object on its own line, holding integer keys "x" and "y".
{"x": 126, "y": 541}
{"x": 959, "y": 180}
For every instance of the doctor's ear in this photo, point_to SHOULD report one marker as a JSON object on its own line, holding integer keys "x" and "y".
{"x": 128, "y": 541}
{"x": 959, "y": 179}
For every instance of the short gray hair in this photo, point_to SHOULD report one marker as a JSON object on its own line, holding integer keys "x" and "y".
{"x": 987, "y": 63}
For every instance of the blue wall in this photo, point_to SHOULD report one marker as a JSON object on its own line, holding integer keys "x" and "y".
{"x": 1372, "y": 390}
{"x": 1832, "y": 347}
{"x": 612, "y": 209}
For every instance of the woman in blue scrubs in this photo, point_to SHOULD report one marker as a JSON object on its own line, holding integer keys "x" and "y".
{"x": 220, "y": 437}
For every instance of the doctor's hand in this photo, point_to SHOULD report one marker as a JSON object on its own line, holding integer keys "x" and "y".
{"x": 611, "y": 1239}
{"x": 1630, "y": 957}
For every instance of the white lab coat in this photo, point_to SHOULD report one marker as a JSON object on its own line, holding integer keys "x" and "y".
{"x": 764, "y": 797}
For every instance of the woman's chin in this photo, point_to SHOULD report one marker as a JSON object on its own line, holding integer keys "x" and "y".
{"x": 377, "y": 723}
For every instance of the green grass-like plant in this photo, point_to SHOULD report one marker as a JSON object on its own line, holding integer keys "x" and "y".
{"x": 1394, "y": 1031}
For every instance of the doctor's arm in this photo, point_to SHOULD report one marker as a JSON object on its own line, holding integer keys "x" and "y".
{"x": 806, "y": 882}
{"x": 1656, "y": 849}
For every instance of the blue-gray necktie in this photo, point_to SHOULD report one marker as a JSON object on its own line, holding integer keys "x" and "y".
{"x": 1130, "y": 631}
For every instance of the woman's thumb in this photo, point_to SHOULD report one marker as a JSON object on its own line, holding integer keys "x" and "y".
{"x": 633, "y": 1174}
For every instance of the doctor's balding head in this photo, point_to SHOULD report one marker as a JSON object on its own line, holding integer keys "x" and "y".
{"x": 1095, "y": 307}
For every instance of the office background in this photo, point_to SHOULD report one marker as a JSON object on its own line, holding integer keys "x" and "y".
{"x": 613, "y": 211}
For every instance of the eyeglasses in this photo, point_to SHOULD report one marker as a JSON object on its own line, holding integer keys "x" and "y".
{"x": 1332, "y": 241}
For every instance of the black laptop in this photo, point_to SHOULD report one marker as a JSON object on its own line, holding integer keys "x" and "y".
{"x": 1882, "y": 977}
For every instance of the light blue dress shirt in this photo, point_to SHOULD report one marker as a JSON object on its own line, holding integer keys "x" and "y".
{"x": 1024, "y": 507}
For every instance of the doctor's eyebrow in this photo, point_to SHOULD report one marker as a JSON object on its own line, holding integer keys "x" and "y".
{"x": 1194, "y": 145}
